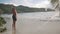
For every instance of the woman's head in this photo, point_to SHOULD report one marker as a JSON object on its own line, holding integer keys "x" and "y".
{"x": 14, "y": 10}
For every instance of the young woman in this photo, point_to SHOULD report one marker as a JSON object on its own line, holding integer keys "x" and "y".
{"x": 14, "y": 18}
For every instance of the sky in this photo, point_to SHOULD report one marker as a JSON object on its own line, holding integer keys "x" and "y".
{"x": 30, "y": 3}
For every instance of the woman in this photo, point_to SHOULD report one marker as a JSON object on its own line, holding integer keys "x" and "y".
{"x": 14, "y": 18}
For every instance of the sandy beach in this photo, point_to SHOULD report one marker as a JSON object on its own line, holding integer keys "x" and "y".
{"x": 30, "y": 25}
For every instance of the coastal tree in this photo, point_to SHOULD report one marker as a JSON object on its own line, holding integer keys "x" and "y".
{"x": 56, "y": 5}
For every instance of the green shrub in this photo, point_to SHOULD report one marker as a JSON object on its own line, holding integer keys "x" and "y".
{"x": 2, "y": 29}
{"x": 2, "y": 23}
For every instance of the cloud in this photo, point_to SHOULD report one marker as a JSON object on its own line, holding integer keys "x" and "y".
{"x": 5, "y": 1}
{"x": 30, "y": 3}
{"x": 41, "y": 4}
{"x": 36, "y": 3}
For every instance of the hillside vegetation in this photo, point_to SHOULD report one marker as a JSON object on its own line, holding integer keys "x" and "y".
{"x": 6, "y": 8}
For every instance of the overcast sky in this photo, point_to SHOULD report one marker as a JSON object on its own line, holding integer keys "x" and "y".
{"x": 30, "y": 3}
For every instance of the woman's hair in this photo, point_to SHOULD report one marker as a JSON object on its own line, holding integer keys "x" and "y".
{"x": 14, "y": 10}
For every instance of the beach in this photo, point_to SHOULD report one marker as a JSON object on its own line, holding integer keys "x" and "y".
{"x": 33, "y": 23}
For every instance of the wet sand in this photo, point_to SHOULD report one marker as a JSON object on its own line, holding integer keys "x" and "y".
{"x": 33, "y": 26}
